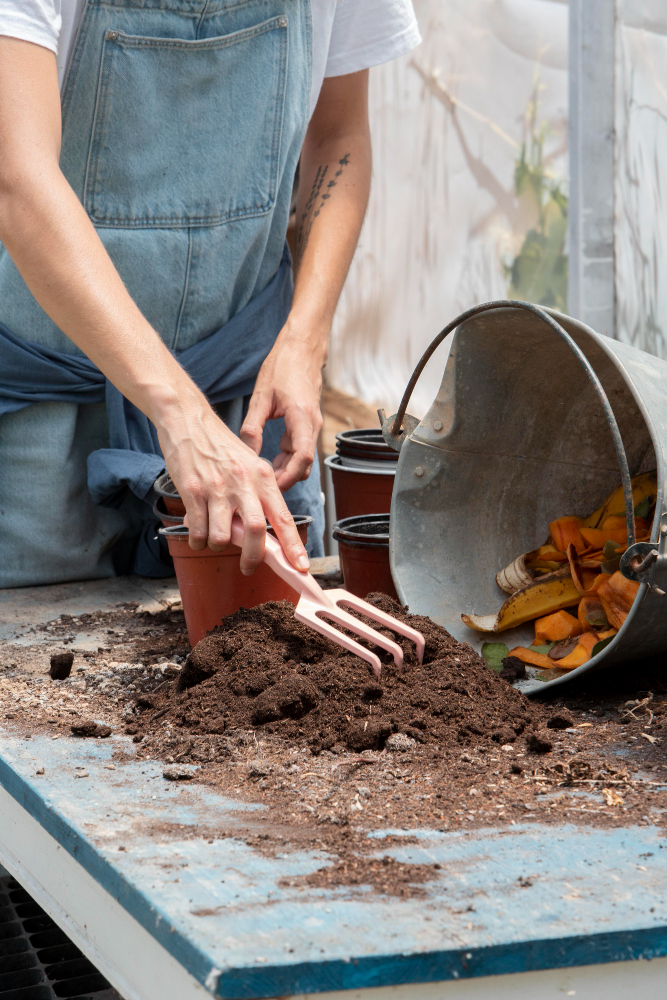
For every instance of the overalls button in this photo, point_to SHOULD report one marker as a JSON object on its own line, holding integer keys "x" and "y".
{"x": 282, "y": 22}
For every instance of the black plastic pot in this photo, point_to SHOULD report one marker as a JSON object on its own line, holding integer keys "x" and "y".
{"x": 364, "y": 444}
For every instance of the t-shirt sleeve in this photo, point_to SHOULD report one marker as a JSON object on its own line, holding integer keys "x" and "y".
{"x": 37, "y": 21}
{"x": 366, "y": 33}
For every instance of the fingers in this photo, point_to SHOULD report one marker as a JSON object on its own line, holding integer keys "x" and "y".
{"x": 298, "y": 447}
{"x": 220, "y": 514}
{"x": 259, "y": 411}
{"x": 283, "y": 524}
{"x": 197, "y": 515}
{"x": 218, "y": 476}
{"x": 254, "y": 535}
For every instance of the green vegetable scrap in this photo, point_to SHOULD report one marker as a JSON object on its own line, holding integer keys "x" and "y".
{"x": 494, "y": 653}
{"x": 599, "y": 646}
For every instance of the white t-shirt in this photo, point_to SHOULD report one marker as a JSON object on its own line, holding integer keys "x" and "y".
{"x": 348, "y": 35}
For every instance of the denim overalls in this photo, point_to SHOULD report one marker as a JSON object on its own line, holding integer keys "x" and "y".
{"x": 183, "y": 121}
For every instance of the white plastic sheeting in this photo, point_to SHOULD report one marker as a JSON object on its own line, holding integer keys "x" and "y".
{"x": 445, "y": 221}
{"x": 640, "y": 194}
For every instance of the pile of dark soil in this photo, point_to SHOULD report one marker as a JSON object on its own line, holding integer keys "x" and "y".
{"x": 262, "y": 670}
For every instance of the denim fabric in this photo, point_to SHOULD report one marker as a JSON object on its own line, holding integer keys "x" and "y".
{"x": 182, "y": 125}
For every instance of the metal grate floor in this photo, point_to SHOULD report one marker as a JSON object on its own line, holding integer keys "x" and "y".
{"x": 37, "y": 960}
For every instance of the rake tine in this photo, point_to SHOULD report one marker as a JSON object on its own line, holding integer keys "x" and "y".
{"x": 308, "y": 617}
{"x": 340, "y": 596}
{"x": 315, "y": 602}
{"x": 363, "y": 630}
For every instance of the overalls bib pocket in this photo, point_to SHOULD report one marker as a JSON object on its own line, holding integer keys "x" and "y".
{"x": 187, "y": 133}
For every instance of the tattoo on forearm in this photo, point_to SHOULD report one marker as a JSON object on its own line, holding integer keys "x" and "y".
{"x": 317, "y": 199}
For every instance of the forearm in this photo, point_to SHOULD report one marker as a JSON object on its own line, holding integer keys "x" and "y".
{"x": 333, "y": 193}
{"x": 334, "y": 184}
{"x": 67, "y": 269}
{"x": 55, "y": 246}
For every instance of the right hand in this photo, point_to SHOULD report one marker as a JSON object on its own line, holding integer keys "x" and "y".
{"x": 217, "y": 476}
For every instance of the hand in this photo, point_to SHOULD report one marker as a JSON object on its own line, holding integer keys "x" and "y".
{"x": 217, "y": 475}
{"x": 288, "y": 385}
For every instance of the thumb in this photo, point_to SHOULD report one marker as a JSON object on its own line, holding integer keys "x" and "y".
{"x": 259, "y": 411}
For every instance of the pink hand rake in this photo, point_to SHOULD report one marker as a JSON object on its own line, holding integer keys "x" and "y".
{"x": 316, "y": 605}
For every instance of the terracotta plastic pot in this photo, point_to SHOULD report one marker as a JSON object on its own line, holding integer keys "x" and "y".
{"x": 363, "y": 546}
{"x": 360, "y": 489}
{"x": 166, "y": 490}
{"x": 161, "y": 513}
{"x": 212, "y": 585}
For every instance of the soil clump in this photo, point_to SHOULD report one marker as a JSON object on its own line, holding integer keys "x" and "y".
{"x": 261, "y": 669}
{"x": 606, "y": 766}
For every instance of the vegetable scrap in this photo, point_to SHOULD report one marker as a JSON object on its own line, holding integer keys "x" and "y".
{"x": 571, "y": 586}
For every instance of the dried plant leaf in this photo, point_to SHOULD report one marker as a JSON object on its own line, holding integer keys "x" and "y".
{"x": 597, "y": 619}
{"x": 543, "y": 647}
{"x": 562, "y": 649}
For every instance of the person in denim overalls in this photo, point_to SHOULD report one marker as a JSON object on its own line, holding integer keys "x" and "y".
{"x": 182, "y": 125}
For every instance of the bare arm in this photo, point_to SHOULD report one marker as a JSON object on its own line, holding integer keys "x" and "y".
{"x": 333, "y": 194}
{"x": 62, "y": 260}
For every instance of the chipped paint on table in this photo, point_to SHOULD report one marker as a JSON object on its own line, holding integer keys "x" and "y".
{"x": 167, "y": 852}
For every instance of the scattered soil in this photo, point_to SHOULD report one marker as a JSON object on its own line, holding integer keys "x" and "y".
{"x": 268, "y": 712}
{"x": 385, "y": 875}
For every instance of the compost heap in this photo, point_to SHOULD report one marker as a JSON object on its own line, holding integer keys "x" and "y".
{"x": 261, "y": 669}
{"x": 571, "y": 586}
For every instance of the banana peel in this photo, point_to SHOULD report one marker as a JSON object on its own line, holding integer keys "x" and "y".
{"x": 645, "y": 485}
{"x": 515, "y": 576}
{"x": 543, "y": 596}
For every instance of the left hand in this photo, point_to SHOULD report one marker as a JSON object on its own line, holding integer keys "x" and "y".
{"x": 288, "y": 385}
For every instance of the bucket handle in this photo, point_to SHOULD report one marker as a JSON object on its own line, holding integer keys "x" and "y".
{"x": 394, "y": 424}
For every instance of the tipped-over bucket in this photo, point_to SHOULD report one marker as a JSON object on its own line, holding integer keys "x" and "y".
{"x": 518, "y": 436}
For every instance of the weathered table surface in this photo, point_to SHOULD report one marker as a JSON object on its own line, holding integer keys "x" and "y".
{"x": 150, "y": 880}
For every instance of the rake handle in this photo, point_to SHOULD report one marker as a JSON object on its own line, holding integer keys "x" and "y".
{"x": 275, "y": 559}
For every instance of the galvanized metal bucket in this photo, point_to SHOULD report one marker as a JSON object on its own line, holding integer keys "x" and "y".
{"x": 537, "y": 416}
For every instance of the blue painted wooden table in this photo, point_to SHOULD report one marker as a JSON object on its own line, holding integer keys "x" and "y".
{"x": 128, "y": 864}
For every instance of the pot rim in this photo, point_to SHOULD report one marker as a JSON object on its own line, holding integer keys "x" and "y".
{"x": 160, "y": 487}
{"x": 368, "y": 461}
{"x": 162, "y": 515}
{"x": 343, "y": 531}
{"x": 364, "y": 438}
{"x": 334, "y": 462}
{"x": 181, "y": 531}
